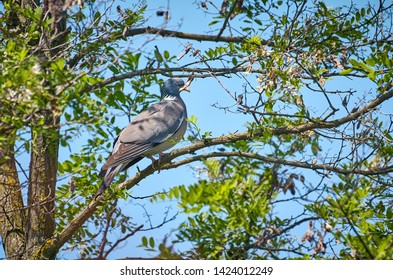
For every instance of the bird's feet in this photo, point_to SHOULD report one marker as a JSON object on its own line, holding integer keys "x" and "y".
{"x": 153, "y": 161}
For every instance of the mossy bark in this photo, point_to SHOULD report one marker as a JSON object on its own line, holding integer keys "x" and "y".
{"x": 42, "y": 185}
{"x": 25, "y": 229}
{"x": 12, "y": 212}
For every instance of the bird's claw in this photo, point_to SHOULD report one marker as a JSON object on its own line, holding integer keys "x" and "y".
{"x": 153, "y": 160}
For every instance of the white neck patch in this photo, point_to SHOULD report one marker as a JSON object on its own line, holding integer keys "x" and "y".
{"x": 169, "y": 97}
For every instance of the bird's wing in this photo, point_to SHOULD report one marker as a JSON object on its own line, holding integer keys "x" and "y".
{"x": 155, "y": 124}
{"x": 149, "y": 129}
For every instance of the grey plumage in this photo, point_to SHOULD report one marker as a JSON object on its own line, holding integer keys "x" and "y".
{"x": 153, "y": 131}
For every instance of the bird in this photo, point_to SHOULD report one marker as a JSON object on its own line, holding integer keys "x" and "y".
{"x": 153, "y": 131}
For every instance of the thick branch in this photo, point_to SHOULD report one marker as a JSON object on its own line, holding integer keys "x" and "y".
{"x": 52, "y": 246}
{"x": 183, "y": 35}
{"x": 12, "y": 217}
{"x": 249, "y": 135}
{"x": 366, "y": 172}
{"x": 42, "y": 184}
{"x": 160, "y": 32}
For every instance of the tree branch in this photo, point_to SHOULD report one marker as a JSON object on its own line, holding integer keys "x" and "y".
{"x": 159, "y": 32}
{"x": 124, "y": 238}
{"x": 104, "y": 240}
{"x": 224, "y": 25}
{"x": 12, "y": 218}
{"x": 366, "y": 172}
{"x": 204, "y": 72}
{"x": 183, "y": 35}
{"x": 164, "y": 72}
{"x": 53, "y": 245}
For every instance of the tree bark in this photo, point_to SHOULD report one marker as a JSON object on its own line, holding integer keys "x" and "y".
{"x": 42, "y": 186}
{"x": 12, "y": 209}
{"x": 45, "y": 148}
{"x": 12, "y": 213}
{"x": 24, "y": 230}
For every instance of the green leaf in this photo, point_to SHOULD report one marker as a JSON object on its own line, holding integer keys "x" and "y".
{"x": 389, "y": 213}
{"x": 346, "y": 71}
{"x": 114, "y": 69}
{"x": 151, "y": 242}
{"x": 97, "y": 18}
{"x": 357, "y": 15}
{"x": 166, "y": 55}
{"x": 354, "y": 62}
{"x": 144, "y": 241}
{"x": 363, "y": 12}
{"x": 370, "y": 61}
{"x": 60, "y": 168}
{"x": 315, "y": 147}
{"x": 213, "y": 22}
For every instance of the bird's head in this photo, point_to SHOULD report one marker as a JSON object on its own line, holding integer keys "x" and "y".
{"x": 173, "y": 87}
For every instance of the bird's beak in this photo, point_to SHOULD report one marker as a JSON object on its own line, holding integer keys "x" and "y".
{"x": 184, "y": 88}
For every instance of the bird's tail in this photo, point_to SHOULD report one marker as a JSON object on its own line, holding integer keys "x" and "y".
{"x": 102, "y": 188}
{"x": 109, "y": 175}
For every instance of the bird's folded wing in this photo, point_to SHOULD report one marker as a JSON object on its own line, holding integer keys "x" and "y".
{"x": 156, "y": 124}
{"x": 150, "y": 128}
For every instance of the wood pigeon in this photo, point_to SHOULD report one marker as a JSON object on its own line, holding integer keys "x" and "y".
{"x": 153, "y": 131}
